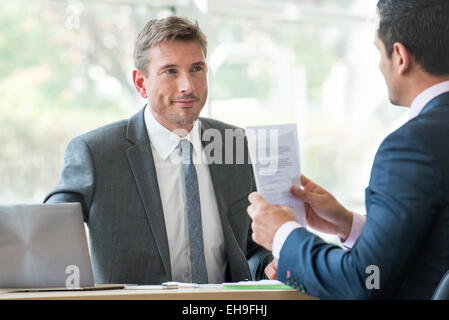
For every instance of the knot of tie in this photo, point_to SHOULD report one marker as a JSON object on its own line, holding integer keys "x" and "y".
{"x": 187, "y": 153}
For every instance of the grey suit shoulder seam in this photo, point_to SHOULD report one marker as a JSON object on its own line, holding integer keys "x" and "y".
{"x": 93, "y": 172}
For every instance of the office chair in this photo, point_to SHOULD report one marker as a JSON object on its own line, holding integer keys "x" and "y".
{"x": 442, "y": 291}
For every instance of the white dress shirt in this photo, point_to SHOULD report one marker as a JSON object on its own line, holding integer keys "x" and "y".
{"x": 359, "y": 220}
{"x": 424, "y": 97}
{"x": 170, "y": 176}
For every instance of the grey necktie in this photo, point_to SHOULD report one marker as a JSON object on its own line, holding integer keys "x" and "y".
{"x": 198, "y": 262}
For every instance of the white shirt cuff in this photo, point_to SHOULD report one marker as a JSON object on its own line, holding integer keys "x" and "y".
{"x": 281, "y": 235}
{"x": 358, "y": 222}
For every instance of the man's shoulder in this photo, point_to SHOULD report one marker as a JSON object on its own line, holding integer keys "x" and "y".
{"x": 419, "y": 140}
{"x": 106, "y": 132}
{"x": 208, "y": 123}
{"x": 216, "y": 124}
{"x": 425, "y": 129}
{"x": 432, "y": 120}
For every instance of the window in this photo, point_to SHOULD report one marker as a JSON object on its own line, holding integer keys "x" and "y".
{"x": 65, "y": 68}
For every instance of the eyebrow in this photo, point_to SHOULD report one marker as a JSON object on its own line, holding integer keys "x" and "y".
{"x": 169, "y": 66}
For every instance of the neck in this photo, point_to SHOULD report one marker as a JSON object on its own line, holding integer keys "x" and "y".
{"x": 180, "y": 130}
{"x": 418, "y": 83}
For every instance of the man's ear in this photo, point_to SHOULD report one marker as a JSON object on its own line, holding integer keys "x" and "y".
{"x": 139, "y": 83}
{"x": 401, "y": 58}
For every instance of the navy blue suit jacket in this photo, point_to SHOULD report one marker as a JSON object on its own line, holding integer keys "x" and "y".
{"x": 406, "y": 234}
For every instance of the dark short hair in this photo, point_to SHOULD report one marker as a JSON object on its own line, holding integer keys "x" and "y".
{"x": 422, "y": 26}
{"x": 167, "y": 29}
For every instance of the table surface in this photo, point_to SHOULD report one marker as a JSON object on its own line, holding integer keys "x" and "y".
{"x": 165, "y": 294}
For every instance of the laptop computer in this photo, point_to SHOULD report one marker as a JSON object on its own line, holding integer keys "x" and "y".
{"x": 43, "y": 246}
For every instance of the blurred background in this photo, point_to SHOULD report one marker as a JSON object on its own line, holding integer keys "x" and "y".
{"x": 65, "y": 68}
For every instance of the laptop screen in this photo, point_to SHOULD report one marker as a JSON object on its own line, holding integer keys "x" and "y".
{"x": 43, "y": 245}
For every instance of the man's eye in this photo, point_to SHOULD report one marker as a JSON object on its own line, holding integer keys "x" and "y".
{"x": 170, "y": 71}
{"x": 196, "y": 69}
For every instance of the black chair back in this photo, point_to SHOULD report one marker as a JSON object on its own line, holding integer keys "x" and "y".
{"x": 442, "y": 291}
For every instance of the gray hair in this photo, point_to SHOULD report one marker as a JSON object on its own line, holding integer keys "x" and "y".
{"x": 167, "y": 29}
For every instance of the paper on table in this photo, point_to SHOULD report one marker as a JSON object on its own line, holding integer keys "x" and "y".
{"x": 275, "y": 159}
{"x": 171, "y": 285}
{"x": 260, "y": 285}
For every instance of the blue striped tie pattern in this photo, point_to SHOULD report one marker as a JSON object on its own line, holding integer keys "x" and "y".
{"x": 197, "y": 259}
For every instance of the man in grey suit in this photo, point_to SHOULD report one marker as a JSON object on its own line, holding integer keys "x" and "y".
{"x": 157, "y": 208}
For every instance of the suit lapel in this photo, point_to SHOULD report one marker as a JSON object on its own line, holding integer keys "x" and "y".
{"x": 220, "y": 180}
{"x": 140, "y": 158}
{"x": 218, "y": 174}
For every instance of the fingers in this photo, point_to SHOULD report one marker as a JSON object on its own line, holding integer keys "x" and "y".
{"x": 271, "y": 270}
{"x": 259, "y": 206}
{"x": 257, "y": 200}
{"x": 251, "y": 211}
{"x": 304, "y": 180}
{"x": 304, "y": 195}
{"x": 266, "y": 219}
{"x": 307, "y": 211}
{"x": 309, "y": 185}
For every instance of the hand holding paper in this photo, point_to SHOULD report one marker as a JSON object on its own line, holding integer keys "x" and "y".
{"x": 267, "y": 219}
{"x": 323, "y": 212}
{"x": 275, "y": 159}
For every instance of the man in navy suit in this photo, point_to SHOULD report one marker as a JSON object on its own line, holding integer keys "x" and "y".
{"x": 401, "y": 249}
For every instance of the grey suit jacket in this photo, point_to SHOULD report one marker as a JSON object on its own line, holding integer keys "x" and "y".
{"x": 110, "y": 171}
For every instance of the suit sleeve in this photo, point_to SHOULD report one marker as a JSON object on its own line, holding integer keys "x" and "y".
{"x": 76, "y": 182}
{"x": 400, "y": 204}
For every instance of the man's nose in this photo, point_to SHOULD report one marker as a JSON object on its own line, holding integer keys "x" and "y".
{"x": 185, "y": 83}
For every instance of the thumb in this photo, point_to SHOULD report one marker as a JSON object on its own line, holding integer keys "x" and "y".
{"x": 256, "y": 199}
{"x": 304, "y": 195}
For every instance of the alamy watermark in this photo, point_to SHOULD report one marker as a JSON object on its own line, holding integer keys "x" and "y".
{"x": 73, "y": 279}
{"x": 74, "y": 10}
{"x": 230, "y": 147}
{"x": 373, "y": 279}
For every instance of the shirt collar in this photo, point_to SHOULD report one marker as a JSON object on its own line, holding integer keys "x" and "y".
{"x": 424, "y": 97}
{"x": 165, "y": 141}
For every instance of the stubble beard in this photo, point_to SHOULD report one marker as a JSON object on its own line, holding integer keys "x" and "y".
{"x": 183, "y": 120}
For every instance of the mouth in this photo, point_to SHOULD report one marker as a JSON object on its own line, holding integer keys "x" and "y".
{"x": 187, "y": 103}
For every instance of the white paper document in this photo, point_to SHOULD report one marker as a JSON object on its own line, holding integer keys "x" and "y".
{"x": 274, "y": 153}
{"x": 258, "y": 285}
